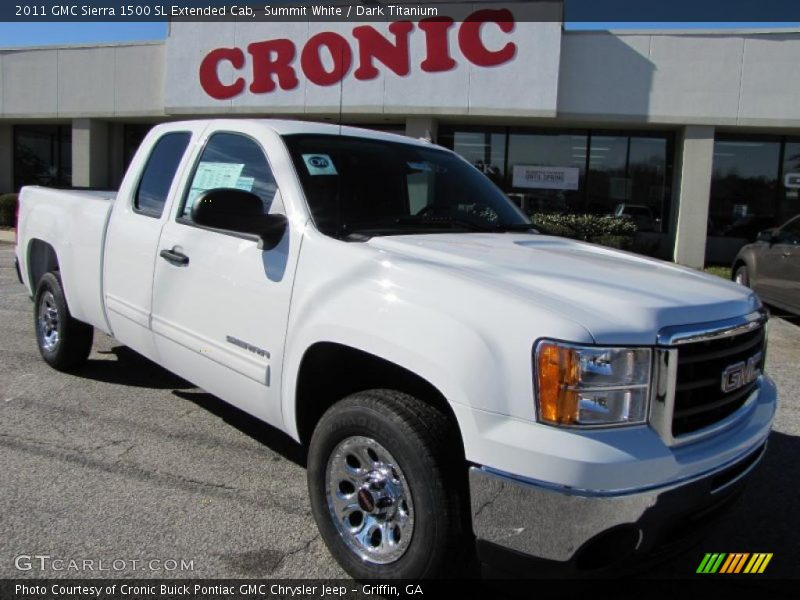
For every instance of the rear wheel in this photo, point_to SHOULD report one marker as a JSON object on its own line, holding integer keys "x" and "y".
{"x": 741, "y": 276}
{"x": 385, "y": 481}
{"x": 64, "y": 342}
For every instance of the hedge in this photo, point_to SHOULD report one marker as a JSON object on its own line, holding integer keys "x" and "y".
{"x": 599, "y": 229}
{"x": 8, "y": 210}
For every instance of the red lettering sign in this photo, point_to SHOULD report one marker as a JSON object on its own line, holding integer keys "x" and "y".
{"x": 436, "y": 41}
{"x": 273, "y": 57}
{"x": 311, "y": 61}
{"x": 371, "y": 44}
{"x": 209, "y": 76}
{"x": 326, "y": 58}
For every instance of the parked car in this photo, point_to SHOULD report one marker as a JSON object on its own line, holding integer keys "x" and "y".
{"x": 454, "y": 375}
{"x": 771, "y": 266}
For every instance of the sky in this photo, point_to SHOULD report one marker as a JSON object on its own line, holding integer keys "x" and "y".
{"x": 14, "y": 35}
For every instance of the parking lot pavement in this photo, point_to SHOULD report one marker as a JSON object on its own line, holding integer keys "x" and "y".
{"x": 127, "y": 462}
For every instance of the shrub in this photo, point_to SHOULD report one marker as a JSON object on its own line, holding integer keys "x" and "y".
{"x": 600, "y": 229}
{"x": 8, "y": 210}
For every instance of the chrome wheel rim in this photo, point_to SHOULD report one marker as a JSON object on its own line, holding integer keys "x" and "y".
{"x": 48, "y": 322}
{"x": 369, "y": 500}
{"x": 740, "y": 279}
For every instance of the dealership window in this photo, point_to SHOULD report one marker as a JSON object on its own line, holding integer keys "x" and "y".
{"x": 627, "y": 174}
{"x": 133, "y": 136}
{"x": 42, "y": 155}
{"x": 745, "y": 192}
{"x": 789, "y": 204}
{"x": 564, "y": 151}
{"x": 484, "y": 148}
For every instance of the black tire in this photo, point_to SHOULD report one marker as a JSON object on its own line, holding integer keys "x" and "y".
{"x": 741, "y": 275}
{"x": 70, "y": 348}
{"x": 425, "y": 445}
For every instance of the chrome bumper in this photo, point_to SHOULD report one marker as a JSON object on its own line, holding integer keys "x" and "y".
{"x": 557, "y": 524}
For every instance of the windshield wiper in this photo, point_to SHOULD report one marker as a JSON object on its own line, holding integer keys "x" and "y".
{"x": 443, "y": 221}
{"x": 413, "y": 224}
{"x": 516, "y": 227}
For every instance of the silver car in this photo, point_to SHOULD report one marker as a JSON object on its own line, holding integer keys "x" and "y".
{"x": 771, "y": 266}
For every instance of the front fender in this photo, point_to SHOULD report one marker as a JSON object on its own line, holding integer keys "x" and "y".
{"x": 469, "y": 341}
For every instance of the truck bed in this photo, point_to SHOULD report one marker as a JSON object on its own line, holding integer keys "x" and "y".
{"x": 74, "y": 224}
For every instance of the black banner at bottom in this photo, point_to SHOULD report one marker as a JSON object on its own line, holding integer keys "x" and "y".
{"x": 336, "y": 589}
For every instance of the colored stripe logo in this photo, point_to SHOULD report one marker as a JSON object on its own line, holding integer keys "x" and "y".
{"x": 736, "y": 562}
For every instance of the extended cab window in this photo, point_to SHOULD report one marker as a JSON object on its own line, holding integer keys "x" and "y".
{"x": 231, "y": 160}
{"x": 159, "y": 172}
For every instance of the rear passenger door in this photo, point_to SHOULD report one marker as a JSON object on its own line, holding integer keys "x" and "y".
{"x": 142, "y": 207}
{"x": 220, "y": 319}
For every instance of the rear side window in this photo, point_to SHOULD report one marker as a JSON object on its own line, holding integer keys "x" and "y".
{"x": 159, "y": 172}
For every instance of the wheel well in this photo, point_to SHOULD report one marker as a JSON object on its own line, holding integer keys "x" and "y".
{"x": 41, "y": 259}
{"x": 330, "y": 372}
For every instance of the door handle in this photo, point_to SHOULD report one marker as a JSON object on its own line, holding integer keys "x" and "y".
{"x": 175, "y": 257}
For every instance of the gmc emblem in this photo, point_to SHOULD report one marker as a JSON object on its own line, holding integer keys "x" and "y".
{"x": 741, "y": 373}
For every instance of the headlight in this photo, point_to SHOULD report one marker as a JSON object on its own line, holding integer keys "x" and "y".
{"x": 582, "y": 386}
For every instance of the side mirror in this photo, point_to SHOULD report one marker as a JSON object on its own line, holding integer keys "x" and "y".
{"x": 240, "y": 212}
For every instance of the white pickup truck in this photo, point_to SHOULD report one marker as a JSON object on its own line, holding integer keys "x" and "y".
{"x": 460, "y": 381}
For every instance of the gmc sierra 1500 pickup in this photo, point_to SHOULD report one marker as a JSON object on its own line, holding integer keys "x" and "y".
{"x": 455, "y": 376}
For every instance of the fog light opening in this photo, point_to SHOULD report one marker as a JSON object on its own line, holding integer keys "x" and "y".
{"x": 608, "y": 548}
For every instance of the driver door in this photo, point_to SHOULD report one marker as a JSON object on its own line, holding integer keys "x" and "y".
{"x": 221, "y": 304}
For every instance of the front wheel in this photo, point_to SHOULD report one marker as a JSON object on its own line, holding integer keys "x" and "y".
{"x": 64, "y": 342}
{"x": 386, "y": 487}
{"x": 741, "y": 276}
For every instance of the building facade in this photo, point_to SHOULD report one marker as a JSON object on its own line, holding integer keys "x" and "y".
{"x": 694, "y": 135}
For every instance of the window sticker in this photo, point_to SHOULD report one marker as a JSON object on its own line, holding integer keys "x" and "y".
{"x": 319, "y": 164}
{"x": 245, "y": 183}
{"x": 213, "y": 175}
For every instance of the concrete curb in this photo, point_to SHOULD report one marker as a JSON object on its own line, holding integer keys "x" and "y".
{"x": 7, "y": 236}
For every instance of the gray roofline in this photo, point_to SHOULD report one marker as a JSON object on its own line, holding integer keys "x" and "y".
{"x": 79, "y": 46}
{"x": 748, "y": 31}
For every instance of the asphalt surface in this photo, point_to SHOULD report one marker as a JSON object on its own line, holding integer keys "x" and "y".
{"x": 127, "y": 462}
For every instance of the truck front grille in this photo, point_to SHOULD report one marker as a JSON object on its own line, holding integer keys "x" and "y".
{"x": 700, "y": 400}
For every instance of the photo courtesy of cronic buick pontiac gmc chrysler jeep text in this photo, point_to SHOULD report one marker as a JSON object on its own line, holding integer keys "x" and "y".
{"x": 460, "y": 381}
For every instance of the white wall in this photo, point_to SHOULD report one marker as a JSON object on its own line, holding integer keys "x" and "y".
{"x": 687, "y": 78}
{"x": 99, "y": 81}
{"x": 668, "y": 78}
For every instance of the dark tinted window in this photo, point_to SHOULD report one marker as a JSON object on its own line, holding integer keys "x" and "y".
{"x": 159, "y": 173}
{"x": 373, "y": 187}
{"x": 743, "y": 186}
{"x": 626, "y": 174}
{"x": 531, "y": 153}
{"x": 42, "y": 155}
{"x": 231, "y": 160}
{"x": 790, "y": 233}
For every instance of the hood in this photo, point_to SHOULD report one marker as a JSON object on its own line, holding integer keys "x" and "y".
{"x": 619, "y": 297}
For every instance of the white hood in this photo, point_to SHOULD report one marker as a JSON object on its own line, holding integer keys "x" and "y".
{"x": 617, "y": 296}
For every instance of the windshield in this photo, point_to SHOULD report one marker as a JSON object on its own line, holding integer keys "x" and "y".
{"x": 357, "y": 188}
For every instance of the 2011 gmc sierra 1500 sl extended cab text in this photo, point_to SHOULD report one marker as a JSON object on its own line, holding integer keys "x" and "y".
{"x": 454, "y": 374}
